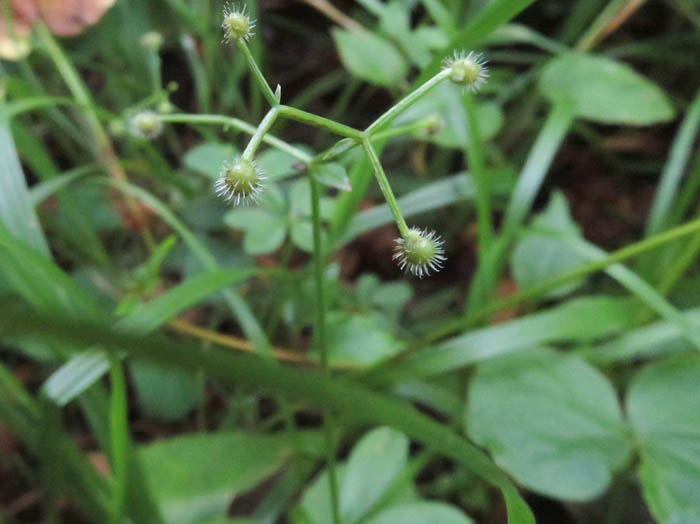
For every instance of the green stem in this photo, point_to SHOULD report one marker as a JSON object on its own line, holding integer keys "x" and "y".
{"x": 407, "y": 129}
{"x": 319, "y": 121}
{"x": 260, "y": 133}
{"x": 240, "y": 125}
{"x": 119, "y": 437}
{"x": 406, "y": 102}
{"x": 477, "y": 167}
{"x": 538, "y": 290}
{"x": 385, "y": 187}
{"x": 257, "y": 74}
{"x": 320, "y": 335}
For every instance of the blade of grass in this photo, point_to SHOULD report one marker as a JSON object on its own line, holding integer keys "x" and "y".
{"x": 675, "y": 166}
{"x": 119, "y": 434}
{"x": 16, "y": 209}
{"x": 357, "y": 405}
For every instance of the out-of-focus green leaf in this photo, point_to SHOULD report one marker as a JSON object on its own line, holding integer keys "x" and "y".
{"x": 370, "y": 57}
{"x": 374, "y": 463}
{"x": 163, "y": 392}
{"x": 264, "y": 231}
{"x": 551, "y": 420}
{"x": 582, "y": 319}
{"x": 537, "y": 257}
{"x": 208, "y": 158}
{"x": 422, "y": 512}
{"x": 333, "y": 175}
{"x": 356, "y": 405}
{"x": 662, "y": 404}
{"x": 16, "y": 209}
{"x": 195, "y": 477}
{"x": 605, "y": 91}
{"x": 358, "y": 339}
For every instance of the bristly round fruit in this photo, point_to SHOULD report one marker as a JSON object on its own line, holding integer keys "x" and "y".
{"x": 145, "y": 124}
{"x": 237, "y": 24}
{"x": 468, "y": 70}
{"x": 420, "y": 252}
{"x": 241, "y": 181}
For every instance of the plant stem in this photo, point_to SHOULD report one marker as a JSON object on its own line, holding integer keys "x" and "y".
{"x": 385, "y": 187}
{"x": 477, "y": 167}
{"x": 319, "y": 121}
{"x": 104, "y": 151}
{"x": 257, "y": 74}
{"x": 226, "y": 121}
{"x": 406, "y": 102}
{"x": 537, "y": 290}
{"x": 320, "y": 335}
{"x": 118, "y": 436}
{"x": 260, "y": 133}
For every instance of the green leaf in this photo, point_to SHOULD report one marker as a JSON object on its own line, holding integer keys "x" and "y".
{"x": 83, "y": 369}
{"x": 662, "y": 405}
{"x": 16, "y": 209}
{"x": 264, "y": 231}
{"x": 358, "y": 339}
{"x": 375, "y": 461}
{"x": 686, "y": 517}
{"x": 302, "y": 233}
{"x": 356, "y": 405}
{"x": 332, "y": 175}
{"x": 537, "y": 257}
{"x": 195, "y": 477}
{"x": 422, "y": 512}
{"x": 164, "y": 392}
{"x": 207, "y": 158}
{"x": 604, "y": 91}
{"x": 370, "y": 57}
{"x": 551, "y": 420}
{"x": 277, "y": 164}
{"x": 581, "y": 319}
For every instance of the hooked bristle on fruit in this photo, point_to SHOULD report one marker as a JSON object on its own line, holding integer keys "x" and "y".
{"x": 237, "y": 24}
{"x": 240, "y": 181}
{"x": 420, "y": 252}
{"x": 467, "y": 69}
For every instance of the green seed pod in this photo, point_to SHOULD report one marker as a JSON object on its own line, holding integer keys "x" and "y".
{"x": 467, "y": 70}
{"x": 237, "y": 24}
{"x": 241, "y": 181}
{"x": 419, "y": 252}
{"x": 145, "y": 124}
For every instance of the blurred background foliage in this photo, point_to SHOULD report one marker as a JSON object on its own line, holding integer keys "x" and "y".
{"x": 565, "y": 347}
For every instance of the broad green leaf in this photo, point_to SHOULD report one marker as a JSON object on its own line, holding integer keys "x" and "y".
{"x": 375, "y": 461}
{"x": 537, "y": 257}
{"x": 551, "y": 420}
{"x": 356, "y": 405}
{"x": 605, "y": 91}
{"x": 379, "y": 471}
{"x": 358, "y": 339}
{"x": 422, "y": 512}
{"x": 302, "y": 233}
{"x": 277, "y": 164}
{"x": 685, "y": 517}
{"x": 332, "y": 175}
{"x": 195, "y": 477}
{"x": 370, "y": 57}
{"x": 207, "y": 158}
{"x": 264, "y": 231}
{"x": 164, "y": 392}
{"x": 662, "y": 405}
{"x": 16, "y": 209}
